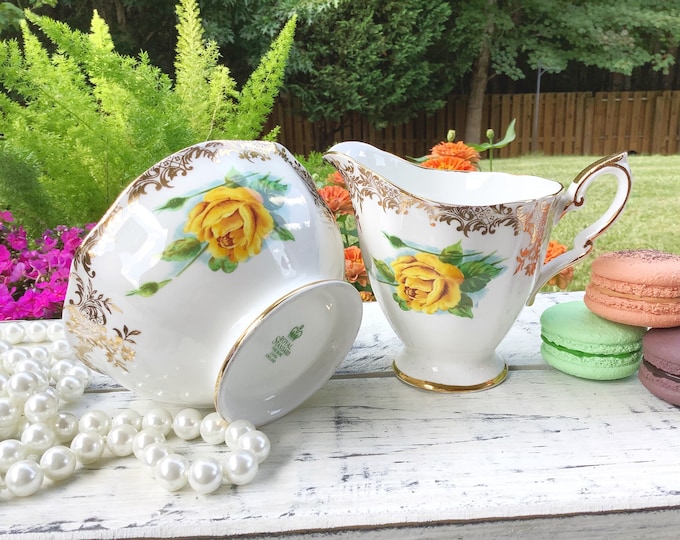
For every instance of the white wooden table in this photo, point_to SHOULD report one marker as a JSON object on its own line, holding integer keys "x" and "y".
{"x": 543, "y": 455}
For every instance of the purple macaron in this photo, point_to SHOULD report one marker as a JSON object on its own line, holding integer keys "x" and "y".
{"x": 660, "y": 368}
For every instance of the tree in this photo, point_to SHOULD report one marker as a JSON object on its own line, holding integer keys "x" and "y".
{"x": 383, "y": 60}
{"x": 525, "y": 35}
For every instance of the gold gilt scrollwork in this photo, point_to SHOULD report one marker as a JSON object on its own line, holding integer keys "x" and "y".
{"x": 481, "y": 219}
{"x": 534, "y": 224}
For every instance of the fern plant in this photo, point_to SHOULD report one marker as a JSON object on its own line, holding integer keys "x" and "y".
{"x": 85, "y": 121}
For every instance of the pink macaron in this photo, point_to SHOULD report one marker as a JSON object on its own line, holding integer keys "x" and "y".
{"x": 660, "y": 368}
{"x": 638, "y": 287}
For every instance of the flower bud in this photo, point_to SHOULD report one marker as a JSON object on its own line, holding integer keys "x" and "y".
{"x": 490, "y": 134}
{"x": 451, "y": 135}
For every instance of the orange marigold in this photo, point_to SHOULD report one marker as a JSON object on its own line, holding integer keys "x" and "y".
{"x": 335, "y": 178}
{"x": 455, "y": 149}
{"x": 554, "y": 249}
{"x": 562, "y": 279}
{"x": 338, "y": 200}
{"x": 355, "y": 269}
{"x": 449, "y": 163}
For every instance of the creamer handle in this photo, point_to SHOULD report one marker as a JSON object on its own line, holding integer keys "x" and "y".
{"x": 574, "y": 199}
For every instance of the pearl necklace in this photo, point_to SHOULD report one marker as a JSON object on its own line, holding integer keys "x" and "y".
{"x": 34, "y": 434}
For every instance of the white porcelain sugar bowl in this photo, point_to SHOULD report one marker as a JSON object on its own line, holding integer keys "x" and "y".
{"x": 216, "y": 279}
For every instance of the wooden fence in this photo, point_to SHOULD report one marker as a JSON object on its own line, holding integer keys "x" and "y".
{"x": 578, "y": 123}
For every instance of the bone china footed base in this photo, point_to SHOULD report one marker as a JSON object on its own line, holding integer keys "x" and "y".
{"x": 414, "y": 368}
{"x": 289, "y": 352}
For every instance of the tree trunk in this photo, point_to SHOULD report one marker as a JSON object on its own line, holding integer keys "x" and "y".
{"x": 480, "y": 78}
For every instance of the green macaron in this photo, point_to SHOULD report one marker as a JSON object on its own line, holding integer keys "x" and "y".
{"x": 580, "y": 343}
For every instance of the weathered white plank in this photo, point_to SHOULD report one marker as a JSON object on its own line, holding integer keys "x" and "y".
{"x": 373, "y": 453}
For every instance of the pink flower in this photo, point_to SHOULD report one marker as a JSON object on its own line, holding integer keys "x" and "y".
{"x": 34, "y": 274}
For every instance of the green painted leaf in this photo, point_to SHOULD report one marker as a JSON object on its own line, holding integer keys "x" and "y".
{"x": 402, "y": 303}
{"x": 464, "y": 307}
{"x": 385, "y": 271}
{"x": 282, "y": 233}
{"x": 227, "y": 266}
{"x": 224, "y": 264}
{"x": 452, "y": 254}
{"x": 174, "y": 204}
{"x": 395, "y": 241}
{"x": 478, "y": 274}
{"x": 182, "y": 249}
{"x": 149, "y": 288}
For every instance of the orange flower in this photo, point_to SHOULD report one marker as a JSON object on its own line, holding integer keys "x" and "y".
{"x": 449, "y": 163}
{"x": 355, "y": 269}
{"x": 554, "y": 249}
{"x": 562, "y": 279}
{"x": 455, "y": 149}
{"x": 337, "y": 199}
{"x": 335, "y": 178}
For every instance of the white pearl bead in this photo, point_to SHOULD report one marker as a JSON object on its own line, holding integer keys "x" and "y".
{"x": 29, "y": 364}
{"x": 88, "y": 447}
{"x": 153, "y": 453}
{"x": 4, "y": 346}
{"x": 41, "y": 407}
{"x": 11, "y": 451}
{"x": 172, "y": 472}
{"x": 70, "y": 388}
{"x": 21, "y": 385}
{"x": 119, "y": 440}
{"x": 80, "y": 372}
{"x": 12, "y": 357}
{"x": 205, "y": 475}
{"x": 159, "y": 418}
{"x": 36, "y": 331}
{"x": 144, "y": 438}
{"x": 61, "y": 349}
{"x": 13, "y": 333}
{"x": 9, "y": 432}
{"x": 24, "y": 478}
{"x": 257, "y": 442}
{"x": 235, "y": 430}
{"x": 9, "y": 413}
{"x": 95, "y": 420}
{"x": 60, "y": 368}
{"x": 65, "y": 427}
{"x": 241, "y": 467}
{"x": 58, "y": 463}
{"x": 42, "y": 354}
{"x": 212, "y": 429}
{"x": 129, "y": 417}
{"x": 55, "y": 330}
{"x": 187, "y": 424}
{"x": 4, "y": 377}
{"x": 38, "y": 437}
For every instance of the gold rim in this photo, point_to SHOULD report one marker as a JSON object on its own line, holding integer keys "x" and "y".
{"x": 438, "y": 387}
{"x": 255, "y": 324}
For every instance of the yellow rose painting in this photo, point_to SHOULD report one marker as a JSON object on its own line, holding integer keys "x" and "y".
{"x": 427, "y": 284}
{"x": 229, "y": 223}
{"x": 431, "y": 281}
{"x": 233, "y": 221}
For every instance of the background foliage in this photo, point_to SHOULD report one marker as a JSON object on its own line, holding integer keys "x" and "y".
{"x": 81, "y": 120}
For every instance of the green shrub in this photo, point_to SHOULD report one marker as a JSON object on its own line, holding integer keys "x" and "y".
{"x": 80, "y": 121}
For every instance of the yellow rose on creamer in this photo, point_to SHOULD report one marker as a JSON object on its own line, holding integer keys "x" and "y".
{"x": 427, "y": 284}
{"x": 233, "y": 221}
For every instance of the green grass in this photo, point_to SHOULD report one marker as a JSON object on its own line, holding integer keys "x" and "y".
{"x": 650, "y": 219}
